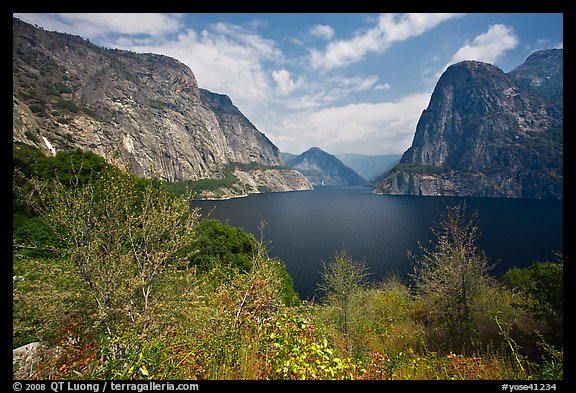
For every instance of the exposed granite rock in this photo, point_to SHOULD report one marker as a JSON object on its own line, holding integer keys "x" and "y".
{"x": 258, "y": 181}
{"x": 456, "y": 183}
{"x": 144, "y": 111}
{"x": 543, "y": 73}
{"x": 25, "y": 360}
{"x": 323, "y": 169}
{"x": 483, "y": 134}
{"x": 245, "y": 142}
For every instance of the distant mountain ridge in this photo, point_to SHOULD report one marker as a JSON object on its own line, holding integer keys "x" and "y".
{"x": 369, "y": 166}
{"x": 287, "y": 156}
{"x": 484, "y": 133}
{"x": 143, "y": 110}
{"x": 324, "y": 169}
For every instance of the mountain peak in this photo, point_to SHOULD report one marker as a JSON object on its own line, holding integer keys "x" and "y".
{"x": 542, "y": 73}
{"x": 554, "y": 56}
{"x": 469, "y": 71}
{"x": 483, "y": 134}
{"x": 324, "y": 169}
{"x": 145, "y": 110}
{"x": 316, "y": 150}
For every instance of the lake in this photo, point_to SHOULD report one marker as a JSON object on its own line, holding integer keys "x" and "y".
{"x": 306, "y": 228}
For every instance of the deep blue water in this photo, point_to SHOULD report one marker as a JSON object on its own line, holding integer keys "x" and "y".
{"x": 306, "y": 228}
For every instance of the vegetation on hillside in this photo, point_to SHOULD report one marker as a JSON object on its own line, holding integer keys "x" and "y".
{"x": 195, "y": 188}
{"x": 119, "y": 279}
{"x": 418, "y": 169}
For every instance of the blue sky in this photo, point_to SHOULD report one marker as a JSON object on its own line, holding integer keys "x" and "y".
{"x": 344, "y": 82}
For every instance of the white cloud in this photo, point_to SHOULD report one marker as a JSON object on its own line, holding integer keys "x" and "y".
{"x": 540, "y": 43}
{"x": 386, "y": 127}
{"x": 401, "y": 27}
{"x": 322, "y": 31}
{"x": 95, "y": 25}
{"x": 316, "y": 94}
{"x": 358, "y": 83}
{"x": 227, "y": 59}
{"x": 543, "y": 43}
{"x": 382, "y": 86}
{"x": 297, "y": 41}
{"x": 487, "y": 47}
{"x": 390, "y": 28}
{"x": 284, "y": 82}
{"x": 261, "y": 47}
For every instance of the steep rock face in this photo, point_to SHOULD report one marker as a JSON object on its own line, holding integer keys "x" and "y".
{"x": 245, "y": 142}
{"x": 543, "y": 73}
{"x": 144, "y": 111}
{"x": 323, "y": 169}
{"x": 275, "y": 180}
{"x": 482, "y": 134}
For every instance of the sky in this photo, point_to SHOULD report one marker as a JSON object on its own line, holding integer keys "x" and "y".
{"x": 348, "y": 83}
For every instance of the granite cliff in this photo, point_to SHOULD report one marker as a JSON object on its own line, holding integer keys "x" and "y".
{"x": 143, "y": 110}
{"x": 543, "y": 73}
{"x": 483, "y": 134}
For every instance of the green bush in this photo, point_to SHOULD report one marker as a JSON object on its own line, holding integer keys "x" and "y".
{"x": 66, "y": 105}
{"x": 542, "y": 284}
{"x": 116, "y": 273}
{"x": 228, "y": 249}
{"x": 119, "y": 238}
{"x": 343, "y": 278}
{"x": 72, "y": 166}
{"x": 222, "y": 245}
{"x": 35, "y": 238}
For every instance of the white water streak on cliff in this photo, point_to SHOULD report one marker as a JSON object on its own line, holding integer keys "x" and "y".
{"x": 49, "y": 145}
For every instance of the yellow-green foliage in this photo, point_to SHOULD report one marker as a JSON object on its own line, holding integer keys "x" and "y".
{"x": 112, "y": 294}
{"x": 119, "y": 235}
{"x": 298, "y": 354}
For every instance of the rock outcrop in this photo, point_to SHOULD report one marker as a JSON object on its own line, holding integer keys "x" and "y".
{"x": 543, "y": 73}
{"x": 323, "y": 169}
{"x": 144, "y": 111}
{"x": 483, "y": 134}
{"x": 25, "y": 360}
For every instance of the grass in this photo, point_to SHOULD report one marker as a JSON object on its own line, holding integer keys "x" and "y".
{"x": 243, "y": 321}
{"x": 206, "y": 326}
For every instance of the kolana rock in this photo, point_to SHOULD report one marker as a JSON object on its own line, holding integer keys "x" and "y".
{"x": 143, "y": 111}
{"x": 323, "y": 169}
{"x": 483, "y": 134}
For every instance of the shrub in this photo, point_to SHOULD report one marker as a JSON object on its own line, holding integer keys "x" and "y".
{"x": 542, "y": 286}
{"x": 66, "y": 105}
{"x": 342, "y": 279}
{"x": 222, "y": 245}
{"x": 118, "y": 241}
{"x": 452, "y": 280}
{"x": 298, "y": 354}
